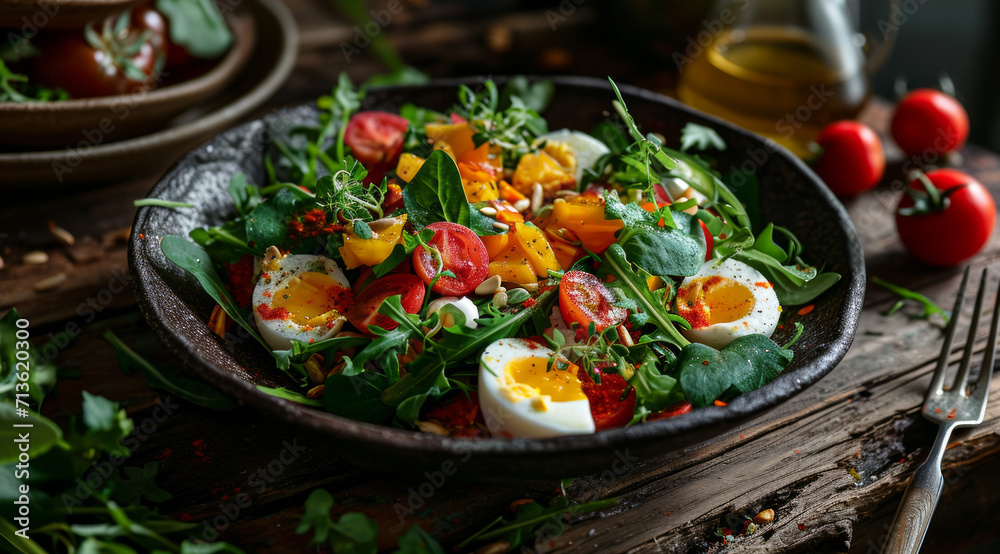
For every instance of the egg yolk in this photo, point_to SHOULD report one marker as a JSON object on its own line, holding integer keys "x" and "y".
{"x": 707, "y": 301}
{"x": 309, "y": 297}
{"x": 528, "y": 377}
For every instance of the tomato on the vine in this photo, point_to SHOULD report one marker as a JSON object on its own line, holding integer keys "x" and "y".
{"x": 853, "y": 159}
{"x": 583, "y": 299}
{"x": 453, "y": 248}
{"x": 118, "y": 59}
{"x": 929, "y": 121}
{"x": 945, "y": 218}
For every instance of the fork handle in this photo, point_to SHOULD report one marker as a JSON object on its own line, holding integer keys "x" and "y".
{"x": 909, "y": 526}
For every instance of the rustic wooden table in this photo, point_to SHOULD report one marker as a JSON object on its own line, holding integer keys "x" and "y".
{"x": 831, "y": 462}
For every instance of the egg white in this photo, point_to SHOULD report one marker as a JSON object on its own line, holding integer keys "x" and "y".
{"x": 276, "y": 272}
{"x": 762, "y": 318}
{"x": 509, "y": 413}
{"x": 586, "y": 148}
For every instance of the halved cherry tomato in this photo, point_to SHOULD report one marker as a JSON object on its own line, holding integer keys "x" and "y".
{"x": 606, "y": 404}
{"x": 953, "y": 231}
{"x": 375, "y": 137}
{"x": 929, "y": 121}
{"x": 583, "y": 299}
{"x": 852, "y": 159}
{"x": 364, "y": 311}
{"x": 458, "y": 250}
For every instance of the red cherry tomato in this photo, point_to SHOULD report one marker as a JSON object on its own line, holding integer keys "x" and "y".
{"x": 852, "y": 160}
{"x": 375, "y": 137}
{"x": 458, "y": 250}
{"x": 364, "y": 310}
{"x": 929, "y": 121}
{"x": 606, "y": 404}
{"x": 673, "y": 410}
{"x": 946, "y": 237}
{"x": 583, "y": 299}
{"x": 145, "y": 16}
{"x": 102, "y": 65}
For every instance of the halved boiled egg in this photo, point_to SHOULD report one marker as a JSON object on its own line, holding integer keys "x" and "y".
{"x": 521, "y": 397}
{"x": 301, "y": 297}
{"x": 727, "y": 300}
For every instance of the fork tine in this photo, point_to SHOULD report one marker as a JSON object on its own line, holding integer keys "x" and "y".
{"x": 989, "y": 356}
{"x": 970, "y": 342}
{"x": 938, "y": 381}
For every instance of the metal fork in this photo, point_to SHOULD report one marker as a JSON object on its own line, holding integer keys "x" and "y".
{"x": 951, "y": 408}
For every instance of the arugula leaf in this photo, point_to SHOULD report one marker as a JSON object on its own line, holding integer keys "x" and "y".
{"x": 700, "y": 137}
{"x": 634, "y": 287}
{"x": 226, "y": 243}
{"x": 193, "y": 259}
{"x": 460, "y": 344}
{"x": 197, "y": 26}
{"x": 418, "y": 541}
{"x": 291, "y": 395}
{"x": 745, "y": 364}
{"x": 927, "y": 306}
{"x": 436, "y": 193}
{"x": 194, "y": 391}
{"x": 356, "y": 393}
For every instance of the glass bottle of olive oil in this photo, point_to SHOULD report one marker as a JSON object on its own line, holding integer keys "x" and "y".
{"x": 785, "y": 78}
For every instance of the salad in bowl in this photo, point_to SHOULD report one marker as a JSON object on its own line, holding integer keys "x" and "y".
{"x": 471, "y": 272}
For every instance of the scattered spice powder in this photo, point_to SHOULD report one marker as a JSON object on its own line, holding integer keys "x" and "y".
{"x": 267, "y": 313}
{"x": 802, "y": 527}
{"x": 311, "y": 223}
{"x": 721, "y": 404}
{"x": 951, "y": 414}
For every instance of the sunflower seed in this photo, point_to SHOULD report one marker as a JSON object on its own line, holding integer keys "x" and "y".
{"x": 36, "y": 257}
{"x": 50, "y": 283}
{"x": 315, "y": 392}
{"x": 432, "y": 427}
{"x": 499, "y": 300}
{"x": 501, "y": 226}
{"x": 488, "y": 211}
{"x": 62, "y": 235}
{"x": 537, "y": 197}
{"x": 522, "y": 204}
{"x": 314, "y": 370}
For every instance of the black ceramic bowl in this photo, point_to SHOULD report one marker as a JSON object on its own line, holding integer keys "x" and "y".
{"x": 790, "y": 195}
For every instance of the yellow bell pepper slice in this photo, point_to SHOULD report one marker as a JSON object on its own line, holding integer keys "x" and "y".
{"x": 386, "y": 234}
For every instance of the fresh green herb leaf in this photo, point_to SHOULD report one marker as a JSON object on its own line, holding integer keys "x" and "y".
{"x": 436, "y": 193}
{"x": 533, "y": 519}
{"x": 927, "y": 306}
{"x": 196, "y": 392}
{"x": 745, "y": 364}
{"x": 267, "y": 224}
{"x": 700, "y": 137}
{"x": 353, "y": 533}
{"x": 197, "y": 26}
{"x": 418, "y": 541}
{"x": 161, "y": 203}
{"x": 291, "y": 396}
{"x": 634, "y": 286}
